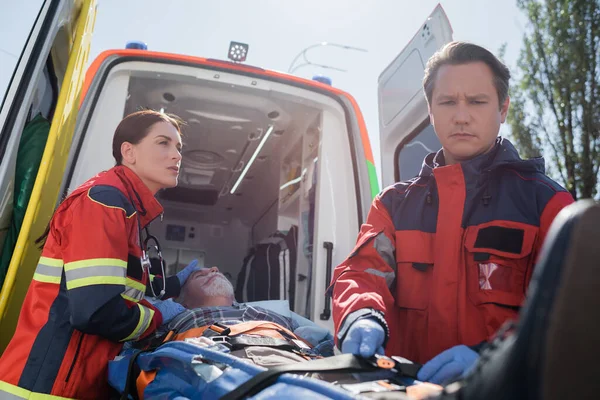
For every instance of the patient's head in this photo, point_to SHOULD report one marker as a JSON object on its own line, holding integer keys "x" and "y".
{"x": 205, "y": 288}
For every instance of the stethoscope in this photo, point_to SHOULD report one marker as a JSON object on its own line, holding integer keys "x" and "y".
{"x": 145, "y": 259}
{"x": 145, "y": 247}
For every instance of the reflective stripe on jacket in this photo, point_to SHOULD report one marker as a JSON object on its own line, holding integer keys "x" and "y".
{"x": 86, "y": 296}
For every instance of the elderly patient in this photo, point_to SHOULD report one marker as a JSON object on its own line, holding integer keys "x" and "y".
{"x": 207, "y": 297}
{"x": 206, "y": 288}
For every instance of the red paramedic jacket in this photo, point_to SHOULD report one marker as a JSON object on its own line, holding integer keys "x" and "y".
{"x": 446, "y": 257}
{"x": 86, "y": 296}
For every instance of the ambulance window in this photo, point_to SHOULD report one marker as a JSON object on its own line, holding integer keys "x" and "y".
{"x": 412, "y": 153}
{"x": 46, "y": 94}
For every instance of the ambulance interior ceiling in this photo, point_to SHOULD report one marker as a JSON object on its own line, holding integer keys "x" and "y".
{"x": 224, "y": 126}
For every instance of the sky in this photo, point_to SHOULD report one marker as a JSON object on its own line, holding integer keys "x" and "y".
{"x": 277, "y": 30}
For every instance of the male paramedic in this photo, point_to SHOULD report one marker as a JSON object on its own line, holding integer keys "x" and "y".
{"x": 445, "y": 259}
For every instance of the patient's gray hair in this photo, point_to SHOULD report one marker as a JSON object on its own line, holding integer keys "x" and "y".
{"x": 219, "y": 288}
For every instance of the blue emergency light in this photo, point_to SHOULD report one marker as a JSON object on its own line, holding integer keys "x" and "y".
{"x": 323, "y": 79}
{"x": 136, "y": 45}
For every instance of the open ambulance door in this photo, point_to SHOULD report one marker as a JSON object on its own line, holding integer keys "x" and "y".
{"x": 265, "y": 155}
{"x": 406, "y": 136}
{"x": 47, "y": 81}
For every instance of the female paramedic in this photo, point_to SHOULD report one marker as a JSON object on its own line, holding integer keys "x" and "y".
{"x": 87, "y": 294}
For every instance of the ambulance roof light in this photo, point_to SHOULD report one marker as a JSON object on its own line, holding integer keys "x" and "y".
{"x": 323, "y": 79}
{"x": 238, "y": 51}
{"x": 136, "y": 45}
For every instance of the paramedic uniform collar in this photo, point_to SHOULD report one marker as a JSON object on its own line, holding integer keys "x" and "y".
{"x": 144, "y": 201}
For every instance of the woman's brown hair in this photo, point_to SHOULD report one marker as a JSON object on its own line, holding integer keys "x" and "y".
{"x": 134, "y": 127}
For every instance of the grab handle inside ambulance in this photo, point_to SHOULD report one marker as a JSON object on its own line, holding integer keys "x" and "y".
{"x": 327, "y": 309}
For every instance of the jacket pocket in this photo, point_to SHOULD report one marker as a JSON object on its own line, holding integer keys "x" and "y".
{"x": 414, "y": 259}
{"x": 499, "y": 255}
{"x": 79, "y": 340}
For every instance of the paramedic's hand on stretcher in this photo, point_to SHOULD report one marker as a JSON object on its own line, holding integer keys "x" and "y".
{"x": 449, "y": 365}
{"x": 364, "y": 338}
{"x": 169, "y": 309}
{"x": 185, "y": 273}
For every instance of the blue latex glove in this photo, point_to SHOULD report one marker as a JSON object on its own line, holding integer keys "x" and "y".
{"x": 449, "y": 365}
{"x": 365, "y": 338}
{"x": 169, "y": 309}
{"x": 185, "y": 273}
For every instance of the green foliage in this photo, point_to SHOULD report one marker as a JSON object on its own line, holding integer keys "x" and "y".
{"x": 556, "y": 100}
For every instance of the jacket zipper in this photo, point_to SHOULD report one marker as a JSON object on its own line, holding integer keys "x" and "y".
{"x": 75, "y": 357}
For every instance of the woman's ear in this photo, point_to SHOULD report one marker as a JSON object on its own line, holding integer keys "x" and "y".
{"x": 128, "y": 153}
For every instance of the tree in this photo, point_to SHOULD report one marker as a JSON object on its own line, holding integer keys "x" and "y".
{"x": 556, "y": 101}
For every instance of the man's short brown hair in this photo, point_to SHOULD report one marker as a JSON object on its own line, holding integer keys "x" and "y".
{"x": 458, "y": 53}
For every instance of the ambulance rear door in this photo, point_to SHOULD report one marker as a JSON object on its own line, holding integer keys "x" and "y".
{"x": 406, "y": 136}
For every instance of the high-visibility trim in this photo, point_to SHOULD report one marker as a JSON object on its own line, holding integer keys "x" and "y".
{"x": 49, "y": 270}
{"x": 146, "y": 316}
{"x": 133, "y": 295}
{"x": 97, "y": 271}
{"x": 96, "y": 280}
{"x": 132, "y": 283}
{"x": 12, "y": 392}
{"x": 135, "y": 290}
{"x": 95, "y": 262}
{"x": 130, "y": 298}
{"x": 52, "y": 262}
{"x": 90, "y": 272}
{"x": 46, "y": 278}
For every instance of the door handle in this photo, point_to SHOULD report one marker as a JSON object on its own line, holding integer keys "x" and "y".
{"x": 327, "y": 308}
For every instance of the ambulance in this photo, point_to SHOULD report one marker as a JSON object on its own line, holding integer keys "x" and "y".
{"x": 277, "y": 173}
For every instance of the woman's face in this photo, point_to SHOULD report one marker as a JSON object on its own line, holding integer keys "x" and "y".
{"x": 157, "y": 157}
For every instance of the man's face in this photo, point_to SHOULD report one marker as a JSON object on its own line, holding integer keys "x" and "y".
{"x": 208, "y": 287}
{"x": 464, "y": 110}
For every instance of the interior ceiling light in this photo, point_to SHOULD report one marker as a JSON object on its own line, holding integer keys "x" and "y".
{"x": 218, "y": 117}
{"x": 251, "y": 161}
{"x": 238, "y": 51}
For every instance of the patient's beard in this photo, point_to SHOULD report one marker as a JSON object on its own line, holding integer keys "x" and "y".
{"x": 220, "y": 287}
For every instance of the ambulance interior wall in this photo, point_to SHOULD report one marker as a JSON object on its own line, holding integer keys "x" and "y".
{"x": 224, "y": 246}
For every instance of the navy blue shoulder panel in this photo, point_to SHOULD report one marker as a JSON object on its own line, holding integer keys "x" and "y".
{"x": 513, "y": 195}
{"x": 412, "y": 205}
{"x": 110, "y": 196}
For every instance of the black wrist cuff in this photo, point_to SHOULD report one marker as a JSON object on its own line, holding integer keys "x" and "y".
{"x": 357, "y": 315}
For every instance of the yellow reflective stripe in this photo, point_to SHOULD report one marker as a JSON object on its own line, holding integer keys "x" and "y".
{"x": 96, "y": 280}
{"x": 49, "y": 270}
{"x": 94, "y": 262}
{"x": 96, "y": 271}
{"x": 46, "y": 278}
{"x": 12, "y": 392}
{"x": 135, "y": 290}
{"x": 124, "y": 295}
{"x": 52, "y": 262}
{"x": 135, "y": 285}
{"x": 146, "y": 316}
